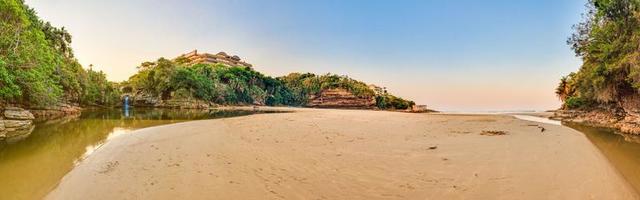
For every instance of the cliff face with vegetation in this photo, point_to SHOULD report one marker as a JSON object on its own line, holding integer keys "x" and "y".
{"x": 172, "y": 83}
{"x": 41, "y": 79}
{"x": 39, "y": 72}
{"x": 605, "y": 91}
{"x": 340, "y": 98}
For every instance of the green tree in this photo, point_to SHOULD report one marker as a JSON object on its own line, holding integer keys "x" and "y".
{"x": 607, "y": 41}
{"x": 38, "y": 67}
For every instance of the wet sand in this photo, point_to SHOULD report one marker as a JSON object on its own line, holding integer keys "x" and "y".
{"x": 347, "y": 154}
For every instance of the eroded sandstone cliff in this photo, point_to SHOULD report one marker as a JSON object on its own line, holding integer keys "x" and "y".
{"x": 340, "y": 98}
{"x": 15, "y": 122}
{"x": 624, "y": 115}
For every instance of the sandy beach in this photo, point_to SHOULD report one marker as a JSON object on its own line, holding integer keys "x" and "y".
{"x": 347, "y": 154}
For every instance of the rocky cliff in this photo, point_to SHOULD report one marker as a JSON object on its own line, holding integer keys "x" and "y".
{"x": 56, "y": 111}
{"x": 623, "y": 115}
{"x": 340, "y": 98}
{"x": 142, "y": 99}
{"x": 15, "y": 122}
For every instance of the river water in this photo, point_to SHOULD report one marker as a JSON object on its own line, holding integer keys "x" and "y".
{"x": 31, "y": 167}
{"x": 623, "y": 151}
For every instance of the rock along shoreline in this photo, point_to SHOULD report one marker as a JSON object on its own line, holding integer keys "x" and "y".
{"x": 622, "y": 121}
{"x": 17, "y": 123}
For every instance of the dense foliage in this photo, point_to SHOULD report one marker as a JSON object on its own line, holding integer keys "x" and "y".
{"x": 607, "y": 41}
{"x": 303, "y": 85}
{"x": 387, "y": 101}
{"x": 221, "y": 84}
{"x": 37, "y": 66}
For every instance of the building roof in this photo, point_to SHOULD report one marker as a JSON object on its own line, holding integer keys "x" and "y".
{"x": 220, "y": 58}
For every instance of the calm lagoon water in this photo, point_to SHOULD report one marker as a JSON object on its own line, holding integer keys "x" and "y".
{"x": 32, "y": 166}
{"x": 623, "y": 151}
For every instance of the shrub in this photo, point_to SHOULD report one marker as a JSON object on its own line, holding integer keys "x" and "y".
{"x": 575, "y": 102}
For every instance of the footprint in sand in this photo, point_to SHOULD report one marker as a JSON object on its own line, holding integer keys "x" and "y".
{"x": 110, "y": 166}
{"x": 407, "y": 186}
{"x": 174, "y": 165}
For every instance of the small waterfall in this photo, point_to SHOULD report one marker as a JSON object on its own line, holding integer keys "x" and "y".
{"x": 126, "y": 101}
{"x": 125, "y": 106}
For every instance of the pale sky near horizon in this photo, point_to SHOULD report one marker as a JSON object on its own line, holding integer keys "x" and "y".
{"x": 463, "y": 55}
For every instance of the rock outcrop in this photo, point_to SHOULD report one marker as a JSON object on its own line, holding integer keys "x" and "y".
{"x": 15, "y": 122}
{"x": 142, "y": 99}
{"x": 340, "y": 98}
{"x": 420, "y": 109}
{"x": 17, "y": 113}
{"x": 609, "y": 117}
{"x": 185, "y": 104}
{"x": 56, "y": 111}
{"x": 624, "y": 114}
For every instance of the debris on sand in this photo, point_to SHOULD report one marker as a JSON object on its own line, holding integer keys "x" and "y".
{"x": 542, "y": 129}
{"x": 493, "y": 133}
{"x": 433, "y": 147}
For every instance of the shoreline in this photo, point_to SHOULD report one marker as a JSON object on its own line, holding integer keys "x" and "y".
{"x": 347, "y": 154}
{"x": 625, "y": 122}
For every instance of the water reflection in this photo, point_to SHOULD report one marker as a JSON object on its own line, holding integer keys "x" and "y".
{"x": 623, "y": 151}
{"x": 31, "y": 167}
{"x": 538, "y": 119}
{"x": 126, "y": 110}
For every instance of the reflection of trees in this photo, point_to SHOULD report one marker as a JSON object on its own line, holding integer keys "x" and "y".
{"x": 24, "y": 133}
{"x": 166, "y": 114}
{"x": 631, "y": 138}
{"x": 603, "y": 134}
{"x": 61, "y": 120}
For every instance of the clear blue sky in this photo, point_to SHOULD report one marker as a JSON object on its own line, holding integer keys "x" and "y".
{"x": 450, "y": 55}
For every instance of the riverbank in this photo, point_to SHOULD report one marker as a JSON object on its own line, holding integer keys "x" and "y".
{"x": 348, "y": 154}
{"x": 625, "y": 121}
{"x": 32, "y": 166}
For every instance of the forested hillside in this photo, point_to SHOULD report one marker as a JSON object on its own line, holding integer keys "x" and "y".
{"x": 608, "y": 41}
{"x": 166, "y": 79}
{"x": 37, "y": 66}
{"x": 38, "y": 69}
{"x": 605, "y": 91}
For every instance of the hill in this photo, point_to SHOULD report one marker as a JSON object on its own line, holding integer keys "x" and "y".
{"x": 38, "y": 71}
{"x": 184, "y": 83}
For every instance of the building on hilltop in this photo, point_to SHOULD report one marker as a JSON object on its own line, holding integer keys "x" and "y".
{"x": 220, "y": 58}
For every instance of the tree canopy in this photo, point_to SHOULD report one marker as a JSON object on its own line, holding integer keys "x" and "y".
{"x": 607, "y": 40}
{"x": 38, "y": 68}
{"x": 228, "y": 85}
{"x": 37, "y": 65}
